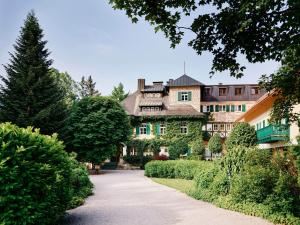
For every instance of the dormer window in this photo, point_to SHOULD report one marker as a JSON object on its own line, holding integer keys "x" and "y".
{"x": 238, "y": 91}
{"x": 185, "y": 96}
{"x": 254, "y": 90}
{"x": 207, "y": 91}
{"x": 222, "y": 91}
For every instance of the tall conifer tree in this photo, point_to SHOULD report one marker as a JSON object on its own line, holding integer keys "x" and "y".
{"x": 29, "y": 95}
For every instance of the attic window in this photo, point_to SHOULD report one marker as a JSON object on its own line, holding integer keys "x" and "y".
{"x": 206, "y": 91}
{"x": 222, "y": 91}
{"x": 254, "y": 91}
{"x": 238, "y": 91}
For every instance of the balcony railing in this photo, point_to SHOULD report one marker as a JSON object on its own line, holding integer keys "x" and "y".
{"x": 273, "y": 133}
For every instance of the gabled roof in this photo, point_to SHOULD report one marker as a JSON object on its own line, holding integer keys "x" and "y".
{"x": 184, "y": 80}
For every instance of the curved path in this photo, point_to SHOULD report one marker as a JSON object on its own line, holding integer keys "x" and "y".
{"x": 129, "y": 198}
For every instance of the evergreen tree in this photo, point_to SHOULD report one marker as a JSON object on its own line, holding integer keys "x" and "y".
{"x": 29, "y": 95}
{"x": 118, "y": 93}
{"x": 87, "y": 87}
{"x": 215, "y": 143}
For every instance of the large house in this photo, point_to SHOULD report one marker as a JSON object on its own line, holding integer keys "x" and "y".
{"x": 270, "y": 135}
{"x": 186, "y": 97}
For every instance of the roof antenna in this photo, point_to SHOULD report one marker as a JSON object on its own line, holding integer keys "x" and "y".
{"x": 183, "y": 67}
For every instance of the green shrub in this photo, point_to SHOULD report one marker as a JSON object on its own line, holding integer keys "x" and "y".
{"x": 205, "y": 176}
{"x": 198, "y": 148}
{"x": 137, "y": 160}
{"x": 184, "y": 169}
{"x": 81, "y": 184}
{"x": 241, "y": 135}
{"x": 253, "y": 184}
{"x": 35, "y": 177}
{"x": 177, "y": 147}
{"x": 215, "y": 143}
{"x": 220, "y": 184}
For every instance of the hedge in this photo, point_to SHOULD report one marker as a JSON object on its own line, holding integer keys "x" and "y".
{"x": 37, "y": 177}
{"x": 184, "y": 169}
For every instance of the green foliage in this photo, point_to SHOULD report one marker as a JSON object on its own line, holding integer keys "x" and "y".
{"x": 215, "y": 143}
{"x": 87, "y": 87}
{"x": 80, "y": 183}
{"x": 36, "y": 175}
{"x": 176, "y": 148}
{"x": 241, "y": 135}
{"x": 137, "y": 160}
{"x": 253, "y": 184}
{"x": 198, "y": 148}
{"x": 277, "y": 21}
{"x": 95, "y": 128}
{"x": 118, "y": 93}
{"x": 296, "y": 152}
{"x": 30, "y": 95}
{"x": 174, "y": 168}
{"x": 69, "y": 87}
{"x": 205, "y": 177}
{"x": 286, "y": 85}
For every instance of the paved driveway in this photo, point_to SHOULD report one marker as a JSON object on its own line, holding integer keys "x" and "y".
{"x": 129, "y": 198}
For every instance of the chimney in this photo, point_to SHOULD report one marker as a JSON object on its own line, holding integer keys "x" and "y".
{"x": 220, "y": 83}
{"x": 141, "y": 84}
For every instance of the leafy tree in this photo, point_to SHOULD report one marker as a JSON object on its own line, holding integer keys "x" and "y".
{"x": 198, "y": 148}
{"x": 67, "y": 85}
{"x": 241, "y": 135}
{"x": 215, "y": 143}
{"x": 118, "y": 93}
{"x": 177, "y": 148}
{"x": 296, "y": 151}
{"x": 30, "y": 96}
{"x": 286, "y": 84}
{"x": 95, "y": 128}
{"x": 260, "y": 30}
{"x": 87, "y": 87}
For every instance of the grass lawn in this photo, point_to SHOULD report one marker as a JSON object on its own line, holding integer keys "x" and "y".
{"x": 182, "y": 185}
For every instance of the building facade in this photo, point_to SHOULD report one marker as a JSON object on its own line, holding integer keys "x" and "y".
{"x": 185, "y": 98}
{"x": 270, "y": 136}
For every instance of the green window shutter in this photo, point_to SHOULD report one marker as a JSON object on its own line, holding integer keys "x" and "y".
{"x": 227, "y": 108}
{"x": 232, "y": 108}
{"x": 137, "y": 130}
{"x": 217, "y": 108}
{"x": 190, "y": 96}
{"x": 148, "y": 128}
{"x": 179, "y": 96}
{"x": 158, "y": 129}
{"x": 244, "y": 108}
{"x": 211, "y": 108}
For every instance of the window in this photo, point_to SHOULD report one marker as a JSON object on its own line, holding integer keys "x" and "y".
{"x": 222, "y": 127}
{"x": 206, "y": 91}
{"x": 162, "y": 128}
{"x": 228, "y": 126}
{"x": 216, "y": 126}
{"x": 185, "y": 96}
{"x": 254, "y": 90}
{"x": 222, "y": 91}
{"x": 222, "y": 108}
{"x": 183, "y": 128}
{"x": 209, "y": 126}
{"x": 238, "y": 91}
{"x": 143, "y": 128}
{"x": 239, "y": 108}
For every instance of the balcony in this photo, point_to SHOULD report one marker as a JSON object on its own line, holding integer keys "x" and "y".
{"x": 273, "y": 133}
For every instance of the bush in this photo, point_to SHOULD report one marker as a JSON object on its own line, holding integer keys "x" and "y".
{"x": 254, "y": 184}
{"x": 241, "y": 135}
{"x": 215, "y": 143}
{"x": 35, "y": 172}
{"x": 81, "y": 184}
{"x": 177, "y": 147}
{"x": 198, "y": 148}
{"x": 137, "y": 160}
{"x": 184, "y": 169}
{"x": 205, "y": 176}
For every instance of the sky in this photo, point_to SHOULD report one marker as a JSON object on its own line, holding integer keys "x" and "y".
{"x": 90, "y": 38}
